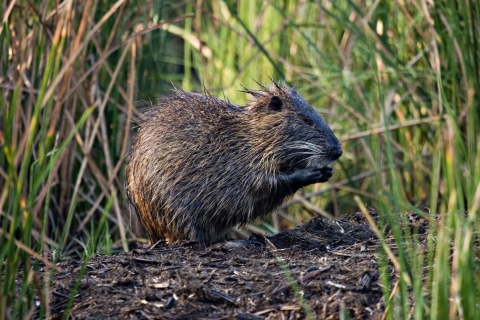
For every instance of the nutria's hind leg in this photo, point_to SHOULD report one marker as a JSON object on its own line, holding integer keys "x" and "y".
{"x": 205, "y": 236}
{"x": 197, "y": 234}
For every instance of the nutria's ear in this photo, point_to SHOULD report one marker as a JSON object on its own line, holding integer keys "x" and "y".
{"x": 275, "y": 104}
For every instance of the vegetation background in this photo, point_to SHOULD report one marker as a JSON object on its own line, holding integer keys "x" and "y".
{"x": 398, "y": 81}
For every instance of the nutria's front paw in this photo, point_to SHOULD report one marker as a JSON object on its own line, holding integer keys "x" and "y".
{"x": 306, "y": 176}
{"x": 326, "y": 173}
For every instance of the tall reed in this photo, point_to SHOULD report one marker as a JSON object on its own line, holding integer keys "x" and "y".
{"x": 397, "y": 80}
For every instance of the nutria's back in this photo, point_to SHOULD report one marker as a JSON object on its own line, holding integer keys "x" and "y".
{"x": 200, "y": 165}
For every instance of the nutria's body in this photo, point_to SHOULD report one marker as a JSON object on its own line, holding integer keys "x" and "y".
{"x": 200, "y": 165}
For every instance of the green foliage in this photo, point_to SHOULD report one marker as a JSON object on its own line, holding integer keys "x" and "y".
{"x": 397, "y": 80}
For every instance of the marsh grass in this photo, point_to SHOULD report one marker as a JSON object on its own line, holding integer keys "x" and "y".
{"x": 397, "y": 80}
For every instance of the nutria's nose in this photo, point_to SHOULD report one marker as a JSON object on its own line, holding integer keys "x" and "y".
{"x": 337, "y": 151}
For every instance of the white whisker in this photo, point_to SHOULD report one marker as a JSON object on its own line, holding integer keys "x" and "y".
{"x": 303, "y": 152}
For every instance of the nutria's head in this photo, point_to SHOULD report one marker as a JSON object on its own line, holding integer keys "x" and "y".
{"x": 297, "y": 134}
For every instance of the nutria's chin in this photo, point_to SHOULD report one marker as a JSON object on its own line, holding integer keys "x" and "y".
{"x": 200, "y": 165}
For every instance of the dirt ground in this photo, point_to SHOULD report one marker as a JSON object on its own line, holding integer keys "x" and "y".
{"x": 333, "y": 264}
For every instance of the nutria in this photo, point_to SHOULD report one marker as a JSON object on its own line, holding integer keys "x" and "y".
{"x": 199, "y": 165}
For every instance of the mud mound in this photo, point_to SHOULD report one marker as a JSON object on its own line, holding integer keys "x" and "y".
{"x": 320, "y": 266}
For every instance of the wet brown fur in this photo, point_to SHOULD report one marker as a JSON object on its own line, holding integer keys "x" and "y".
{"x": 200, "y": 165}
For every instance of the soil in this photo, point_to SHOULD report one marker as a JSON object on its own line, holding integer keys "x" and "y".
{"x": 322, "y": 267}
